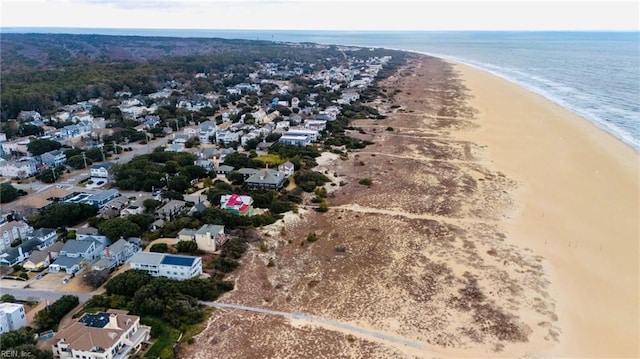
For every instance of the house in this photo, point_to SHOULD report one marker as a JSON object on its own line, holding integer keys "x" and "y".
{"x": 41, "y": 259}
{"x": 207, "y": 130}
{"x": 85, "y": 248}
{"x": 103, "y": 335}
{"x": 167, "y": 265}
{"x": 102, "y": 172}
{"x": 236, "y": 204}
{"x": 12, "y": 231}
{"x": 175, "y": 147}
{"x": 46, "y": 236}
{"x": 287, "y": 168}
{"x": 266, "y": 179}
{"x": 21, "y": 168}
{"x": 208, "y": 237}
{"x": 53, "y": 158}
{"x": 116, "y": 254}
{"x": 206, "y": 164}
{"x": 69, "y": 265}
{"x": 299, "y": 141}
{"x": 224, "y": 170}
{"x": 101, "y": 198}
{"x": 171, "y": 209}
{"x": 15, "y": 255}
{"x": 12, "y": 317}
{"x": 137, "y": 207}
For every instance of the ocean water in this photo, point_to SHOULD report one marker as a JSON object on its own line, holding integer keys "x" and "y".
{"x": 593, "y": 74}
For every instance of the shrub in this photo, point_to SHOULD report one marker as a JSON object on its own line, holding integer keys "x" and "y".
{"x": 390, "y": 129}
{"x": 159, "y": 248}
{"x": 187, "y": 246}
{"x": 263, "y": 247}
{"x": 365, "y": 182}
{"x": 312, "y": 237}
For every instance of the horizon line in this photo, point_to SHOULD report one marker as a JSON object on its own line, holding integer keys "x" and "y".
{"x": 3, "y": 28}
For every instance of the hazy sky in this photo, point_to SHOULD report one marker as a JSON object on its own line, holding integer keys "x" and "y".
{"x": 327, "y": 14}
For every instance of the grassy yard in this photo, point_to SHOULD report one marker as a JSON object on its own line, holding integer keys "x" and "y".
{"x": 163, "y": 343}
{"x": 272, "y": 159}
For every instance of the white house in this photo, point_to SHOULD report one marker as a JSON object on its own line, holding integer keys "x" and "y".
{"x": 11, "y": 231}
{"x": 22, "y": 168}
{"x": 207, "y": 129}
{"x": 104, "y": 335}
{"x": 12, "y": 317}
{"x": 101, "y": 172}
{"x": 167, "y": 265}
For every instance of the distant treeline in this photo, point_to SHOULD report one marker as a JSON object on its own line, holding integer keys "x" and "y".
{"x": 44, "y": 72}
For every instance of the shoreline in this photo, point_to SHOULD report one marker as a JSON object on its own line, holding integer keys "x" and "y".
{"x": 578, "y": 208}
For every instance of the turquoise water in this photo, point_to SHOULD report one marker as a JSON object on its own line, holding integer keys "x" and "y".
{"x": 594, "y": 74}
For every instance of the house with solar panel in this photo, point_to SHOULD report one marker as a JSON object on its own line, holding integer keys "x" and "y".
{"x": 167, "y": 265}
{"x": 104, "y": 335}
{"x": 237, "y": 204}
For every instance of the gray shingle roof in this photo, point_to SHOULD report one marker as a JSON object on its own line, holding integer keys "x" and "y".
{"x": 74, "y": 246}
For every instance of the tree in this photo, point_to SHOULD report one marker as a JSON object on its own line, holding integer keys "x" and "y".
{"x": 31, "y": 130}
{"x": 7, "y": 298}
{"x": 40, "y": 146}
{"x": 150, "y": 205}
{"x": 50, "y": 317}
{"x": 78, "y": 162}
{"x": 119, "y": 227}
{"x": 127, "y": 283}
{"x": 159, "y": 248}
{"x": 51, "y": 174}
{"x": 143, "y": 220}
{"x": 187, "y": 246}
{"x": 7, "y": 192}
{"x": 63, "y": 214}
{"x": 14, "y": 338}
{"x": 95, "y": 278}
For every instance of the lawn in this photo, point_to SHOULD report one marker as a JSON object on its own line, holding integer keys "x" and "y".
{"x": 272, "y": 159}
{"x": 163, "y": 343}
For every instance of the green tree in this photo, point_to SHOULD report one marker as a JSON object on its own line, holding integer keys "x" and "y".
{"x": 127, "y": 283}
{"x": 187, "y": 246}
{"x": 119, "y": 227}
{"x": 51, "y": 174}
{"x": 49, "y": 317}
{"x": 159, "y": 248}
{"x": 7, "y": 192}
{"x": 40, "y": 146}
{"x": 17, "y": 337}
{"x": 7, "y": 298}
{"x": 150, "y": 205}
{"x": 31, "y": 130}
{"x": 78, "y": 161}
{"x": 63, "y": 214}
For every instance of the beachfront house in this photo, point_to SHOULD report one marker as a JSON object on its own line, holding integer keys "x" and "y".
{"x": 167, "y": 265}
{"x": 103, "y": 335}
{"x": 209, "y": 237}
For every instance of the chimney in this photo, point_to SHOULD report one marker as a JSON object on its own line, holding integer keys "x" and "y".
{"x": 108, "y": 252}
{"x": 113, "y": 322}
{"x": 50, "y": 258}
{"x": 20, "y": 251}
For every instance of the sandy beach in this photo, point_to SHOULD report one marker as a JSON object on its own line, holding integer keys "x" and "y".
{"x": 496, "y": 224}
{"x": 579, "y": 208}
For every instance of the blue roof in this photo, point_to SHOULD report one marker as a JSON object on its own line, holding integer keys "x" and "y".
{"x": 178, "y": 260}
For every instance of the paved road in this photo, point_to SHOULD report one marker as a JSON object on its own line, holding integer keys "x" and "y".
{"x": 30, "y": 294}
{"x": 328, "y": 323}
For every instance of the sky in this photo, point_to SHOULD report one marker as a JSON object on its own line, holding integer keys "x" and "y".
{"x": 325, "y": 14}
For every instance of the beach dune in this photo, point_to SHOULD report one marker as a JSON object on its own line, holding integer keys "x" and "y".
{"x": 579, "y": 208}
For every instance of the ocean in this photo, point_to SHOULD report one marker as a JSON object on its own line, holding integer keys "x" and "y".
{"x": 593, "y": 74}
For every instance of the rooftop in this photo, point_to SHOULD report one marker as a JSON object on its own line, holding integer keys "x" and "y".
{"x": 183, "y": 261}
